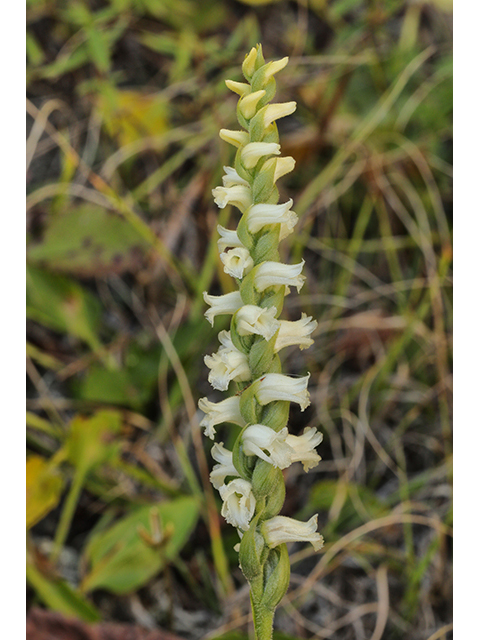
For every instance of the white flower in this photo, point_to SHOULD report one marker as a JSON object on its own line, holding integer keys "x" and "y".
{"x": 241, "y": 88}
{"x": 238, "y": 503}
{"x": 270, "y": 274}
{"x": 248, "y": 104}
{"x": 274, "y": 67}
{"x": 282, "y": 166}
{"x": 239, "y": 195}
{"x": 259, "y": 215}
{"x": 227, "y": 410}
{"x": 281, "y": 529}
{"x": 248, "y": 66}
{"x": 228, "y": 238}
{"x": 304, "y": 447}
{"x": 237, "y": 138}
{"x": 237, "y": 262}
{"x": 296, "y": 332}
{"x": 253, "y": 151}
{"x": 258, "y": 438}
{"x": 261, "y": 321}
{"x": 225, "y": 466}
{"x": 231, "y": 178}
{"x": 276, "y": 386}
{"x": 228, "y": 303}
{"x": 227, "y": 364}
{"x": 275, "y": 111}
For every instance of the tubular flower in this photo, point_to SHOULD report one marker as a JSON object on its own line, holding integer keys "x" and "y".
{"x": 304, "y": 447}
{"x": 227, "y": 410}
{"x": 280, "y": 529}
{"x": 219, "y": 305}
{"x": 249, "y": 478}
{"x": 271, "y": 274}
{"x": 225, "y": 466}
{"x": 252, "y": 319}
{"x": 295, "y": 333}
{"x": 227, "y": 364}
{"x": 239, "y": 195}
{"x": 228, "y": 238}
{"x": 260, "y": 215}
{"x": 276, "y": 386}
{"x": 238, "y": 503}
{"x": 267, "y": 444}
{"x": 236, "y": 262}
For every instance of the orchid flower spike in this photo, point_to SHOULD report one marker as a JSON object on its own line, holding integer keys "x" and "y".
{"x": 249, "y": 477}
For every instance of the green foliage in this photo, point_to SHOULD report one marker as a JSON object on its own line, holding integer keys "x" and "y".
{"x": 121, "y": 561}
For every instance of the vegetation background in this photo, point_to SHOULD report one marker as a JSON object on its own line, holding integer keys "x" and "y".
{"x": 125, "y": 100}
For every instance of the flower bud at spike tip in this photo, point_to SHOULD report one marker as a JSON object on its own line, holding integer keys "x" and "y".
{"x": 249, "y": 478}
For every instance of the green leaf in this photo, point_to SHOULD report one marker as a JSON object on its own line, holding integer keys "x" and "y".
{"x": 91, "y": 441}
{"x": 63, "y": 305}
{"x": 60, "y": 596}
{"x": 131, "y": 386}
{"x": 89, "y": 241}
{"x": 121, "y": 561}
{"x": 44, "y": 488}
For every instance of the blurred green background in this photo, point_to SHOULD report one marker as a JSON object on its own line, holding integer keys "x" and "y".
{"x": 125, "y": 100}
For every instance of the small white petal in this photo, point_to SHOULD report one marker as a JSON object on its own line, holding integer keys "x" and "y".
{"x": 275, "y": 66}
{"x": 238, "y": 503}
{"x": 253, "y": 151}
{"x": 228, "y": 238}
{"x": 237, "y": 262}
{"x": 248, "y": 66}
{"x": 281, "y": 529}
{"x": 219, "y": 305}
{"x": 257, "y": 320}
{"x": 231, "y": 178}
{"x": 241, "y": 88}
{"x": 227, "y": 364}
{"x": 227, "y": 410}
{"x": 248, "y": 104}
{"x": 275, "y": 111}
{"x": 276, "y": 386}
{"x": 258, "y": 439}
{"x": 237, "y": 138}
{"x": 239, "y": 195}
{"x": 295, "y": 333}
{"x": 304, "y": 447}
{"x": 260, "y": 215}
{"x": 269, "y": 274}
{"x": 225, "y": 466}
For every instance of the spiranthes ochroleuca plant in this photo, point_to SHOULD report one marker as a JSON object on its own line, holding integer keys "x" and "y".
{"x": 249, "y": 478}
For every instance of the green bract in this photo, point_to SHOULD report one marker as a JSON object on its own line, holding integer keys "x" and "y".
{"x": 253, "y": 488}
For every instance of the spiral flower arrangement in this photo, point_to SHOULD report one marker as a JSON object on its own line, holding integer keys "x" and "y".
{"x": 249, "y": 478}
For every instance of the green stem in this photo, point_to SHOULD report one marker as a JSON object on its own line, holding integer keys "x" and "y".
{"x": 67, "y": 513}
{"x": 262, "y": 617}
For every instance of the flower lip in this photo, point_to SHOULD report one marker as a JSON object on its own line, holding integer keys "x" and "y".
{"x": 270, "y": 274}
{"x": 277, "y": 386}
{"x": 261, "y": 321}
{"x": 238, "y": 503}
{"x": 281, "y": 529}
{"x": 227, "y": 410}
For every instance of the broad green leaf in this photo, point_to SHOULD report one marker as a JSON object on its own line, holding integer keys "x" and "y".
{"x": 60, "y": 596}
{"x": 119, "y": 558}
{"x": 89, "y": 241}
{"x": 91, "y": 441}
{"x": 129, "y": 115}
{"x": 62, "y": 304}
{"x": 44, "y": 488}
{"x": 130, "y": 386}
